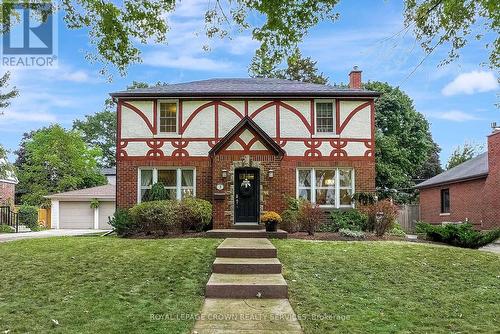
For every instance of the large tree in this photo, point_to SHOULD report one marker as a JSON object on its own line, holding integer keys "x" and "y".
{"x": 99, "y": 130}
{"x": 455, "y": 23}
{"x": 404, "y": 143}
{"x": 116, "y": 28}
{"x": 56, "y": 160}
{"x": 463, "y": 153}
{"x": 297, "y": 68}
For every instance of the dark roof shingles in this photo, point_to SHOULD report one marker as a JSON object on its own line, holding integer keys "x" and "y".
{"x": 474, "y": 168}
{"x": 244, "y": 86}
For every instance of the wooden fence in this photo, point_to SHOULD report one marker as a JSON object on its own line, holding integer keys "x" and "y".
{"x": 409, "y": 215}
{"x": 44, "y": 217}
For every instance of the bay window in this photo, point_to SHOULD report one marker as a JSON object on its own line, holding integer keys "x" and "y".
{"x": 178, "y": 182}
{"x": 327, "y": 187}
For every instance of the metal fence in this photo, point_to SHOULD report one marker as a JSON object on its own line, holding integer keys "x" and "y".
{"x": 9, "y": 217}
{"x": 408, "y": 216}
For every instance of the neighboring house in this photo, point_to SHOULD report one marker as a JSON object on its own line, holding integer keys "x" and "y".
{"x": 469, "y": 191}
{"x": 7, "y": 185}
{"x": 245, "y": 144}
{"x": 73, "y": 209}
{"x": 110, "y": 174}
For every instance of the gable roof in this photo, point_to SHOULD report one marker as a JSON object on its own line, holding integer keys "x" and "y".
{"x": 223, "y": 87}
{"x": 107, "y": 191}
{"x": 247, "y": 122}
{"x": 9, "y": 175}
{"x": 474, "y": 168}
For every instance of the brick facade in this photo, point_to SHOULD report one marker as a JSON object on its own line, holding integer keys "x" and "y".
{"x": 477, "y": 200}
{"x": 209, "y": 174}
{"x": 7, "y": 192}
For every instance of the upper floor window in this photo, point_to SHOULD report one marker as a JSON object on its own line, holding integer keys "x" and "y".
{"x": 329, "y": 187}
{"x": 168, "y": 116}
{"x": 325, "y": 111}
{"x": 445, "y": 200}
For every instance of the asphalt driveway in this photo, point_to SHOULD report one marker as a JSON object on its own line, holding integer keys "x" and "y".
{"x": 4, "y": 237}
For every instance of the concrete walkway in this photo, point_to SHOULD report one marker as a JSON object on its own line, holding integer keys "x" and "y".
{"x": 494, "y": 248}
{"x": 246, "y": 292}
{"x": 4, "y": 237}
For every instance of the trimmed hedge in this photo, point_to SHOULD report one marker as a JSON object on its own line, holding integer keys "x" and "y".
{"x": 352, "y": 219}
{"x": 460, "y": 235}
{"x": 159, "y": 218}
{"x": 28, "y": 216}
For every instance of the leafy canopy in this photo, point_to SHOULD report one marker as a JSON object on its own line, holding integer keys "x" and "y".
{"x": 463, "y": 153}
{"x": 6, "y": 94}
{"x": 116, "y": 29}
{"x": 403, "y": 142}
{"x": 56, "y": 160}
{"x": 298, "y": 68}
{"x": 99, "y": 130}
{"x": 455, "y": 23}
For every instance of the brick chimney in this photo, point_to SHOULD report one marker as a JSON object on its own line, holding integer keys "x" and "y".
{"x": 492, "y": 184}
{"x": 355, "y": 78}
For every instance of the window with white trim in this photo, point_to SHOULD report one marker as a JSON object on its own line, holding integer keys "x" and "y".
{"x": 179, "y": 182}
{"x": 325, "y": 116}
{"x": 327, "y": 187}
{"x": 168, "y": 116}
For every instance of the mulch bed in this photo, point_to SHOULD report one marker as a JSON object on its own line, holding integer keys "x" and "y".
{"x": 337, "y": 237}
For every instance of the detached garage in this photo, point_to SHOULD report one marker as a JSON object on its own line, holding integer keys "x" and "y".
{"x": 83, "y": 209}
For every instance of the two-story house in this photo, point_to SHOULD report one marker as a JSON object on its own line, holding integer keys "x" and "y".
{"x": 246, "y": 144}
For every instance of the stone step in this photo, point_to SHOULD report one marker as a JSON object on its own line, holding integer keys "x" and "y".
{"x": 227, "y": 265}
{"x": 250, "y": 316}
{"x": 246, "y": 286}
{"x": 246, "y": 248}
{"x": 248, "y": 226}
{"x": 237, "y": 233}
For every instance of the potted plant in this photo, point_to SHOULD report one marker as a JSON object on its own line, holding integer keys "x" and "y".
{"x": 271, "y": 219}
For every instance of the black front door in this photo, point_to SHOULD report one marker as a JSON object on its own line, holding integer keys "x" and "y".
{"x": 246, "y": 195}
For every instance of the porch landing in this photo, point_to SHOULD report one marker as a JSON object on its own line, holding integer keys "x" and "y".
{"x": 240, "y": 233}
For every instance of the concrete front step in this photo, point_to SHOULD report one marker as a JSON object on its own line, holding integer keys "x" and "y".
{"x": 246, "y": 248}
{"x": 227, "y": 265}
{"x": 246, "y": 286}
{"x": 248, "y": 226}
{"x": 237, "y": 233}
{"x": 247, "y": 316}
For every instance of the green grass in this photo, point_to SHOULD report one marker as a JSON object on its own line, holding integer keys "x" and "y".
{"x": 391, "y": 287}
{"x": 6, "y": 229}
{"x": 102, "y": 285}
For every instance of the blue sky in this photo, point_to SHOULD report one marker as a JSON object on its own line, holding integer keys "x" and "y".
{"x": 457, "y": 99}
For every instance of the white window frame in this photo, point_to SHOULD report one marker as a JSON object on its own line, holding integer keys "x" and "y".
{"x": 178, "y": 188}
{"x": 337, "y": 185}
{"x": 334, "y": 113}
{"x": 159, "y": 102}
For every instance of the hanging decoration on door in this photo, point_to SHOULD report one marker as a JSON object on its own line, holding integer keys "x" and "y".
{"x": 245, "y": 188}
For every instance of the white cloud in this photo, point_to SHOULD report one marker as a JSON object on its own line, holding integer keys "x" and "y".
{"x": 455, "y": 116}
{"x": 185, "y": 62}
{"x": 470, "y": 83}
{"x": 14, "y": 116}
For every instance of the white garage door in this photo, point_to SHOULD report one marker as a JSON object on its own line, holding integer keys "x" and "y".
{"x": 106, "y": 209}
{"x": 76, "y": 215}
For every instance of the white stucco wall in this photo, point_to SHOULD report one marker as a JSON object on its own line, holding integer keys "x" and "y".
{"x": 203, "y": 125}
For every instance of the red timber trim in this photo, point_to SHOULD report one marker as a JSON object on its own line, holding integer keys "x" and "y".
{"x": 337, "y": 116}
{"x": 152, "y": 127}
{"x": 351, "y": 115}
{"x": 285, "y": 158}
{"x": 313, "y": 117}
{"x": 286, "y": 106}
{"x": 216, "y": 130}
{"x": 278, "y": 130}
{"x": 246, "y": 107}
{"x": 372, "y": 110}
{"x": 179, "y": 120}
{"x": 216, "y": 103}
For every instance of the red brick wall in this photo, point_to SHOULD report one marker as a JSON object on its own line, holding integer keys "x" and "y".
{"x": 7, "y": 191}
{"x": 273, "y": 189}
{"x": 477, "y": 200}
{"x": 466, "y": 201}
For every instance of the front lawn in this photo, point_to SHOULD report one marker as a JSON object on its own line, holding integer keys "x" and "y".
{"x": 391, "y": 287}
{"x": 103, "y": 284}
